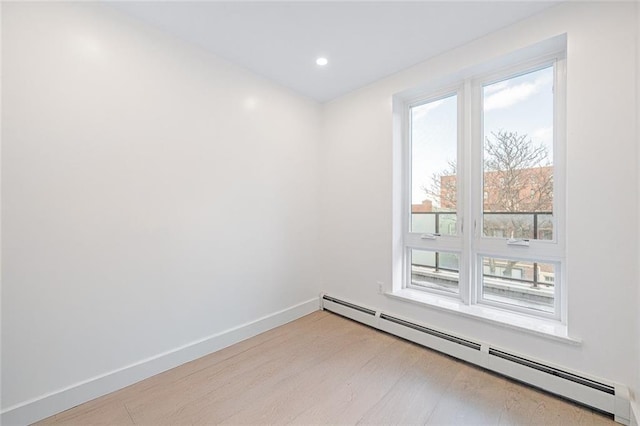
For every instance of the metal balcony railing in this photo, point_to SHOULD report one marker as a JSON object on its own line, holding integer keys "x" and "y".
{"x": 533, "y": 225}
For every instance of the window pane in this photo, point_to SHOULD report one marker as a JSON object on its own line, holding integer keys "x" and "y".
{"x": 533, "y": 225}
{"x": 435, "y": 270}
{"x": 434, "y": 142}
{"x": 521, "y": 283}
{"x": 518, "y": 156}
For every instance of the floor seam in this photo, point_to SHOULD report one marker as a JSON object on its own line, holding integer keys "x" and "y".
{"x": 129, "y": 413}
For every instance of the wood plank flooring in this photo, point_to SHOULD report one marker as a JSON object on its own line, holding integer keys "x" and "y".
{"x": 325, "y": 369}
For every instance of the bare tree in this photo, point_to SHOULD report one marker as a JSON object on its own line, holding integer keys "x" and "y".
{"x": 517, "y": 174}
{"x": 518, "y": 178}
{"x": 442, "y": 189}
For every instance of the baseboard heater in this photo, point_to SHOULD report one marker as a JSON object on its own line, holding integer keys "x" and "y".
{"x": 599, "y": 394}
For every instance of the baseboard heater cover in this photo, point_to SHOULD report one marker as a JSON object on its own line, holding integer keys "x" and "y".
{"x": 554, "y": 371}
{"x": 606, "y": 397}
{"x": 349, "y": 305}
{"x": 436, "y": 333}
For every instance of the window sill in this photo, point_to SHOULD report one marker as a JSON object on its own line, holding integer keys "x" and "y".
{"x": 540, "y": 327}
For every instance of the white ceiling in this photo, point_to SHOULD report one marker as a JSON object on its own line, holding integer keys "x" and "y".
{"x": 364, "y": 41}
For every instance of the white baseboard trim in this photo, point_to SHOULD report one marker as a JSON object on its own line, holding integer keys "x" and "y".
{"x": 55, "y": 402}
{"x": 635, "y": 414}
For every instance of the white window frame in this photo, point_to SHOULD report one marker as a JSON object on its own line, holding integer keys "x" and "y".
{"x": 444, "y": 243}
{"x": 469, "y": 243}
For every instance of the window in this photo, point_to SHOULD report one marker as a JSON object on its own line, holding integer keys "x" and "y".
{"x": 483, "y": 189}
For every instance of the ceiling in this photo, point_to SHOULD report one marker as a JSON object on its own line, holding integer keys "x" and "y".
{"x": 363, "y": 41}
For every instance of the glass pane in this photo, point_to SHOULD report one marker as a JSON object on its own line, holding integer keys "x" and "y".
{"x": 435, "y": 270}
{"x": 520, "y": 283}
{"x": 518, "y": 156}
{"x": 434, "y": 142}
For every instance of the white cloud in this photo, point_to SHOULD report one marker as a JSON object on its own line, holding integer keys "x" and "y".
{"x": 422, "y": 110}
{"x": 509, "y": 96}
{"x": 503, "y": 95}
{"x": 543, "y": 133}
{"x": 495, "y": 87}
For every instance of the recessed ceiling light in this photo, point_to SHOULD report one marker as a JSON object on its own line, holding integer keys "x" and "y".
{"x": 322, "y": 61}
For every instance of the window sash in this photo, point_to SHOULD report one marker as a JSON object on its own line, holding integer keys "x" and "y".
{"x": 477, "y": 112}
{"x": 444, "y": 93}
{"x": 409, "y": 272}
{"x": 557, "y": 287}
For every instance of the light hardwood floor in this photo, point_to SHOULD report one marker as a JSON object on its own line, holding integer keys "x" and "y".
{"x": 325, "y": 369}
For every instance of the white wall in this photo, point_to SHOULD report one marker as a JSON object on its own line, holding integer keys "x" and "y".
{"x": 602, "y": 186}
{"x": 153, "y": 195}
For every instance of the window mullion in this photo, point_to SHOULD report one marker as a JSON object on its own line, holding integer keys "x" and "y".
{"x": 464, "y": 190}
{"x": 473, "y": 145}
